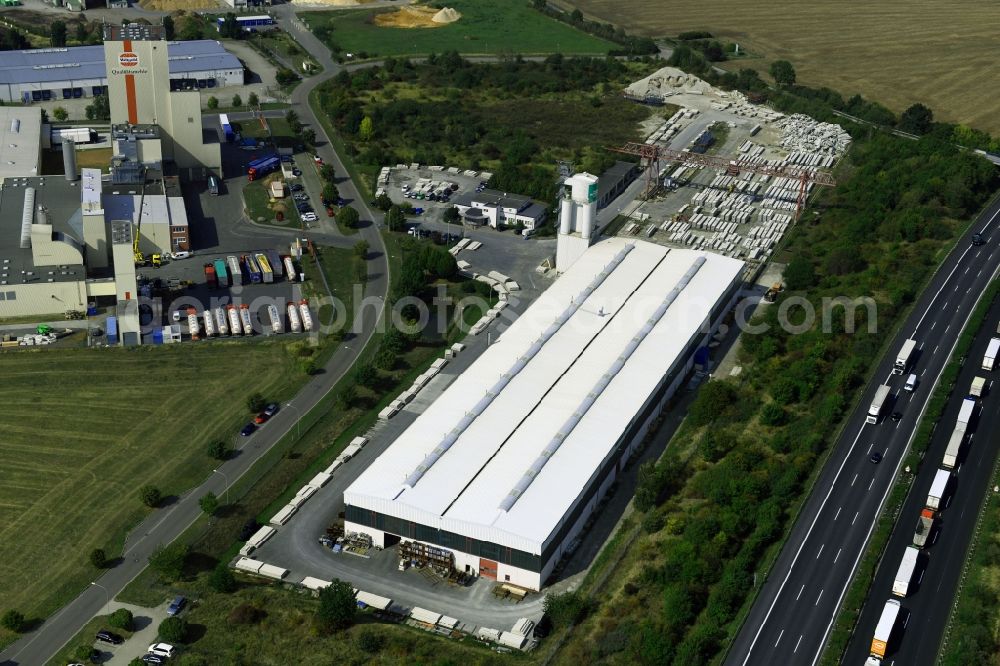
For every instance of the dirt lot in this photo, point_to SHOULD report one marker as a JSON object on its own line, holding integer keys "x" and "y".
{"x": 896, "y": 52}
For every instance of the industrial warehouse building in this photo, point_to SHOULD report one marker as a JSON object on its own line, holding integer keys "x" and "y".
{"x": 35, "y": 75}
{"x": 504, "y": 469}
{"x": 498, "y": 209}
{"x": 20, "y": 141}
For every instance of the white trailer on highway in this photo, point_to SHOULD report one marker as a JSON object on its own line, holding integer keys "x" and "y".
{"x": 958, "y": 434}
{"x": 883, "y": 631}
{"x": 990, "y": 358}
{"x": 978, "y": 384}
{"x": 904, "y": 575}
{"x": 903, "y": 358}
{"x": 878, "y": 404}
{"x": 938, "y": 489}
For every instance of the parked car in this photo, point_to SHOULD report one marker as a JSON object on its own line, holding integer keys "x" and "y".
{"x": 109, "y": 637}
{"x": 248, "y": 429}
{"x": 179, "y": 255}
{"x": 317, "y": 159}
{"x": 329, "y": 212}
{"x": 150, "y": 658}
{"x": 162, "y": 650}
{"x": 309, "y": 217}
{"x": 261, "y": 418}
{"x": 271, "y": 409}
{"x": 177, "y": 605}
{"x": 295, "y": 187}
{"x": 296, "y": 172}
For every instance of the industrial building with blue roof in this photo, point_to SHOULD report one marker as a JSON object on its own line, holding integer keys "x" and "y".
{"x": 34, "y": 75}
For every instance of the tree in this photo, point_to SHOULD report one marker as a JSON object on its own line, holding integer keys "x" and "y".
{"x": 800, "y": 274}
{"x": 121, "y": 619}
{"x": 218, "y": 449}
{"x": 576, "y": 16}
{"x": 213, "y": 102}
{"x": 566, "y": 609}
{"x": 168, "y": 28}
{"x": 256, "y": 402}
{"x": 99, "y": 109}
{"x": 308, "y": 136}
{"x": 209, "y": 503}
{"x": 712, "y": 401}
{"x": 346, "y": 397}
{"x": 366, "y": 375}
{"x": 150, "y": 495}
{"x": 252, "y": 99}
{"x": 13, "y": 620}
{"x": 395, "y": 220}
{"x": 168, "y": 561}
{"x": 230, "y": 27}
{"x": 772, "y": 414}
{"x": 173, "y": 630}
{"x": 367, "y": 129}
{"x": 292, "y": 118}
{"x": 86, "y": 654}
{"x": 222, "y": 579}
{"x": 98, "y": 558}
{"x": 783, "y": 73}
{"x": 81, "y": 32}
{"x": 452, "y": 216}
{"x": 337, "y": 607}
{"x": 60, "y": 114}
{"x": 383, "y": 202}
{"x": 285, "y": 77}
{"x": 348, "y": 217}
{"x": 361, "y": 249}
{"x": 330, "y": 193}
{"x": 57, "y": 33}
{"x": 917, "y": 119}
{"x": 237, "y": 101}
{"x": 328, "y": 173}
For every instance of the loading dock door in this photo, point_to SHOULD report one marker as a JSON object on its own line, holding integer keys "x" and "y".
{"x": 487, "y": 568}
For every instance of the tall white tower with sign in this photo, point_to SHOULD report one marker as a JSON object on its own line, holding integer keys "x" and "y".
{"x": 577, "y": 218}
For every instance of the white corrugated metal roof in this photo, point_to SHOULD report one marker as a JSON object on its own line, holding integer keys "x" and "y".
{"x": 465, "y": 483}
{"x": 424, "y": 615}
{"x": 20, "y": 138}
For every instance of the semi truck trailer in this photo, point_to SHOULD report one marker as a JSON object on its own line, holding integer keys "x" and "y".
{"x": 884, "y": 628}
{"x": 277, "y": 323}
{"x": 990, "y": 358}
{"x": 878, "y": 404}
{"x": 245, "y": 319}
{"x": 923, "y": 529}
{"x": 267, "y": 275}
{"x": 958, "y": 434}
{"x": 220, "y": 273}
{"x": 294, "y": 323}
{"x": 935, "y": 498}
{"x": 253, "y": 270}
{"x": 978, "y": 387}
{"x": 209, "y": 323}
{"x": 904, "y": 575}
{"x": 235, "y": 272}
{"x": 221, "y": 321}
{"x": 307, "y": 320}
{"x": 234, "y": 320}
{"x": 904, "y": 356}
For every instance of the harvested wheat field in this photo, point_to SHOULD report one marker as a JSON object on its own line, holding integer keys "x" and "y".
{"x": 417, "y": 17}
{"x": 896, "y": 52}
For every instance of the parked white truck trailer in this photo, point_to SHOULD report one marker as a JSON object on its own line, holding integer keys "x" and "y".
{"x": 883, "y": 631}
{"x": 958, "y": 434}
{"x": 209, "y": 323}
{"x": 294, "y": 323}
{"x": 277, "y": 323}
{"x": 307, "y": 320}
{"x": 245, "y": 319}
{"x": 935, "y": 498}
{"x": 234, "y": 320}
{"x": 904, "y": 575}
{"x": 990, "y": 358}
{"x": 878, "y": 404}
{"x": 904, "y": 356}
{"x": 221, "y": 322}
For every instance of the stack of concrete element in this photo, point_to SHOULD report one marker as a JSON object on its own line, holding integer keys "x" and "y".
{"x": 666, "y": 82}
{"x": 259, "y": 568}
{"x": 257, "y": 540}
{"x": 801, "y": 133}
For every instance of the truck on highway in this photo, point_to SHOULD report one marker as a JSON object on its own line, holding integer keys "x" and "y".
{"x": 220, "y": 273}
{"x": 265, "y": 267}
{"x": 235, "y": 272}
{"x": 978, "y": 387}
{"x": 904, "y": 575}
{"x": 990, "y": 357}
{"x": 262, "y": 166}
{"x": 904, "y": 356}
{"x": 878, "y": 404}
{"x": 924, "y": 526}
{"x": 938, "y": 488}
{"x": 210, "y": 278}
{"x": 253, "y": 270}
{"x": 884, "y": 628}
{"x": 958, "y": 434}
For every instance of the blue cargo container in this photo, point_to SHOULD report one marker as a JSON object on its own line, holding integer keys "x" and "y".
{"x": 253, "y": 270}
{"x": 262, "y": 166}
{"x": 111, "y": 326}
{"x": 157, "y": 336}
{"x": 220, "y": 273}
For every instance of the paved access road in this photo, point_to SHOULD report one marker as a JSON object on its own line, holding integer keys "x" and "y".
{"x": 166, "y": 524}
{"x": 927, "y": 607}
{"x": 795, "y": 611}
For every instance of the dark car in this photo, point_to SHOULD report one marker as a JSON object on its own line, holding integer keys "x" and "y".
{"x": 295, "y": 187}
{"x": 248, "y": 429}
{"x": 150, "y": 658}
{"x": 977, "y": 239}
{"x": 271, "y": 409}
{"x": 875, "y": 457}
{"x": 177, "y": 605}
{"x": 895, "y": 416}
{"x": 109, "y": 637}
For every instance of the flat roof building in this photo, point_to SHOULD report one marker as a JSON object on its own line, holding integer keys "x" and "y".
{"x": 506, "y": 466}
{"x": 34, "y": 75}
{"x": 20, "y": 141}
{"x": 499, "y": 209}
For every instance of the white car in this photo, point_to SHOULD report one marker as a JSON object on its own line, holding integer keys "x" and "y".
{"x": 309, "y": 217}
{"x": 179, "y": 255}
{"x": 161, "y": 650}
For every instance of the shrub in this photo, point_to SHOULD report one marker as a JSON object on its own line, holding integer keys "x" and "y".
{"x": 218, "y": 449}
{"x": 256, "y": 402}
{"x": 150, "y": 495}
{"x": 173, "y": 630}
{"x": 370, "y": 641}
{"x": 246, "y": 613}
{"x": 772, "y": 414}
{"x": 86, "y": 654}
{"x": 168, "y": 561}
{"x": 209, "y": 503}
{"x": 566, "y": 609}
{"x": 121, "y": 619}
{"x": 222, "y": 579}
{"x": 13, "y": 620}
{"x": 98, "y": 558}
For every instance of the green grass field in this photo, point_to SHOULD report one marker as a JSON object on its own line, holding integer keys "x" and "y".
{"x": 485, "y": 28}
{"x": 83, "y": 430}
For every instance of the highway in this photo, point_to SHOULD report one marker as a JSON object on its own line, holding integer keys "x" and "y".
{"x": 926, "y": 609}
{"x": 794, "y": 613}
{"x": 166, "y": 524}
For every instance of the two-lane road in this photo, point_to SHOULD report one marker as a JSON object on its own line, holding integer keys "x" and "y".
{"x": 794, "y": 613}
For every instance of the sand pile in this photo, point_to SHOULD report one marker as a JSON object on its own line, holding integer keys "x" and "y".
{"x": 668, "y": 80}
{"x": 446, "y": 15}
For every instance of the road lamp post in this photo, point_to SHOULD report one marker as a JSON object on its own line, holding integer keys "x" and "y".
{"x": 298, "y": 418}
{"x": 225, "y": 491}
{"x": 107, "y": 595}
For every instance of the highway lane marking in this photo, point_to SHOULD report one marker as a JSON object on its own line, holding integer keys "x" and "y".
{"x": 779, "y": 638}
{"x": 947, "y": 327}
{"x": 870, "y": 484}
{"x": 921, "y": 579}
{"x": 980, "y": 272}
{"x": 797, "y": 597}
{"x": 935, "y": 349}
{"x": 802, "y": 545}
{"x": 869, "y": 450}
{"x": 797, "y": 644}
{"x": 856, "y": 476}
{"x": 855, "y": 517}
{"x": 820, "y": 550}
{"x": 835, "y": 557}
{"x": 838, "y": 512}
{"x": 818, "y": 598}
{"x": 933, "y": 324}
{"x": 967, "y": 269}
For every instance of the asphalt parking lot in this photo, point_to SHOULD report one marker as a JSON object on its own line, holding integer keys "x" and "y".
{"x": 433, "y": 210}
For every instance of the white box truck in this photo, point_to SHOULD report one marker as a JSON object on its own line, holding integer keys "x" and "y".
{"x": 883, "y": 631}
{"x": 903, "y": 358}
{"x": 938, "y": 488}
{"x": 978, "y": 384}
{"x": 990, "y": 358}
{"x": 958, "y": 434}
{"x": 904, "y": 575}
{"x": 878, "y": 404}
